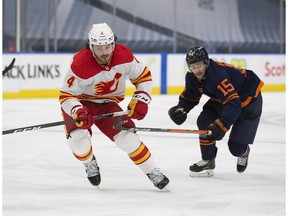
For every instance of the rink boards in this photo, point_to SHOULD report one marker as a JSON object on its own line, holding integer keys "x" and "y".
{"x": 41, "y": 75}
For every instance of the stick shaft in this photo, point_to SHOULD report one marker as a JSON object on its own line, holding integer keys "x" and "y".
{"x": 9, "y": 67}
{"x": 53, "y": 124}
{"x": 169, "y": 130}
{"x": 118, "y": 126}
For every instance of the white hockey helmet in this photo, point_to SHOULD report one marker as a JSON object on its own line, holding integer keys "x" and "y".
{"x": 100, "y": 34}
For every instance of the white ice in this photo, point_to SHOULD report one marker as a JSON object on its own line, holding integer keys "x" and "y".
{"x": 41, "y": 177}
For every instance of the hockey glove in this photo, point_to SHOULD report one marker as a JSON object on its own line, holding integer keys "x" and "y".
{"x": 138, "y": 105}
{"x": 84, "y": 119}
{"x": 177, "y": 114}
{"x": 218, "y": 128}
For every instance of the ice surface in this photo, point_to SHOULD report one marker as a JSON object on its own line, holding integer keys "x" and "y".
{"x": 41, "y": 177}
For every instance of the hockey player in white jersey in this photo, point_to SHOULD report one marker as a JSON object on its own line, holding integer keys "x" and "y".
{"x": 94, "y": 85}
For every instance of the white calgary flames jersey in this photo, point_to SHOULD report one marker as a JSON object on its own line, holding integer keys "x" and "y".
{"x": 88, "y": 80}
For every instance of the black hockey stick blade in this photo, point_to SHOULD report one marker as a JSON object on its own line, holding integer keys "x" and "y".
{"x": 53, "y": 124}
{"x": 9, "y": 67}
{"x": 118, "y": 126}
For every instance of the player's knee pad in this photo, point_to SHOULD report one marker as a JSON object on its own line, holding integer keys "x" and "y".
{"x": 79, "y": 141}
{"x": 127, "y": 141}
{"x": 236, "y": 148}
{"x": 203, "y": 121}
{"x": 211, "y": 111}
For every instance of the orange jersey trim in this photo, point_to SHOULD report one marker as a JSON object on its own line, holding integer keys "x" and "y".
{"x": 206, "y": 142}
{"x": 65, "y": 96}
{"x": 144, "y": 77}
{"x": 83, "y": 157}
{"x": 94, "y": 97}
{"x": 140, "y": 155}
{"x": 231, "y": 97}
{"x": 248, "y": 100}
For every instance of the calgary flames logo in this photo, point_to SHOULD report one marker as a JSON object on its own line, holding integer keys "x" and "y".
{"x": 107, "y": 87}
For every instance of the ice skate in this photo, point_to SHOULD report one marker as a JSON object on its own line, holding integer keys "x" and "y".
{"x": 93, "y": 172}
{"x": 203, "y": 168}
{"x": 158, "y": 179}
{"x": 242, "y": 161}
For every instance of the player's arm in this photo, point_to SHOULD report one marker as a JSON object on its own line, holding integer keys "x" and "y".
{"x": 140, "y": 77}
{"x": 69, "y": 92}
{"x": 230, "y": 99}
{"x": 69, "y": 100}
{"x": 188, "y": 99}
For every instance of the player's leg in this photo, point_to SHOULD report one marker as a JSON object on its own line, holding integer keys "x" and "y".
{"x": 244, "y": 131}
{"x": 130, "y": 143}
{"x": 211, "y": 111}
{"x": 79, "y": 141}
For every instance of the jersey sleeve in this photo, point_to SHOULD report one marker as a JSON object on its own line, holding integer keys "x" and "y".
{"x": 228, "y": 96}
{"x": 191, "y": 94}
{"x": 70, "y": 91}
{"x": 140, "y": 76}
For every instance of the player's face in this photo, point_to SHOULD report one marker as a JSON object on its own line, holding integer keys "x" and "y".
{"x": 103, "y": 53}
{"x": 198, "y": 69}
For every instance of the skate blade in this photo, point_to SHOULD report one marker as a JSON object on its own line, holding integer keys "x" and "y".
{"x": 96, "y": 187}
{"x": 166, "y": 188}
{"x": 204, "y": 173}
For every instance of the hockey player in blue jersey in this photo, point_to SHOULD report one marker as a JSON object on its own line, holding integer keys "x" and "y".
{"x": 235, "y": 102}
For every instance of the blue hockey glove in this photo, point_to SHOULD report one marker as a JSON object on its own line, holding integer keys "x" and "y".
{"x": 218, "y": 128}
{"x": 177, "y": 114}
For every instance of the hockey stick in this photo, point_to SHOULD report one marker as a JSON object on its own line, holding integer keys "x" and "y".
{"x": 71, "y": 121}
{"x": 9, "y": 67}
{"x": 118, "y": 126}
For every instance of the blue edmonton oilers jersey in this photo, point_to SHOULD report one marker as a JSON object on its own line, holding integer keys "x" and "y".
{"x": 233, "y": 87}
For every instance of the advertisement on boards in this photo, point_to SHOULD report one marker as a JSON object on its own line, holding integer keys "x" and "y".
{"x": 42, "y": 75}
{"x": 270, "y": 68}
